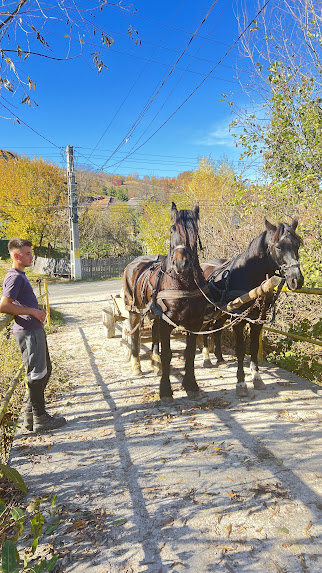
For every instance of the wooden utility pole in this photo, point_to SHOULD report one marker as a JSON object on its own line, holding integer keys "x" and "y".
{"x": 75, "y": 264}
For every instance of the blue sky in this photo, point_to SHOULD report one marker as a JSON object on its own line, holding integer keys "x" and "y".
{"x": 101, "y": 115}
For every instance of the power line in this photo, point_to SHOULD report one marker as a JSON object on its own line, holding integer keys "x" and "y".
{"x": 176, "y": 85}
{"x": 130, "y": 91}
{"x": 148, "y": 105}
{"x": 198, "y": 86}
{"x": 18, "y": 120}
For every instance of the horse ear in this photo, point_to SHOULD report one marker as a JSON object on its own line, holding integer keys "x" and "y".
{"x": 174, "y": 212}
{"x": 294, "y": 224}
{"x": 269, "y": 226}
{"x": 196, "y": 210}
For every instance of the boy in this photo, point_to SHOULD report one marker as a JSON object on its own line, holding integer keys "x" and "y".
{"x": 19, "y": 299}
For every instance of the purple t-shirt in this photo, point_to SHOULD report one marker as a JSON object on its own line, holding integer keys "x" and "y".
{"x": 17, "y": 286}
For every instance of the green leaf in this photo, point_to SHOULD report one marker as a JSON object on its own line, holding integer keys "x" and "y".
{"x": 51, "y": 528}
{"x": 35, "y": 544}
{"x": 119, "y": 521}
{"x": 9, "y": 557}
{"x": 283, "y": 529}
{"x": 17, "y": 513}
{"x": 13, "y": 476}
{"x": 52, "y": 562}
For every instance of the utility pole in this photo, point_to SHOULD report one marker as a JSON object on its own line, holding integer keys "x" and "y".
{"x": 75, "y": 264}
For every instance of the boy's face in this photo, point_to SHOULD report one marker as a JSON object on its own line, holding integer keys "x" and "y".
{"x": 23, "y": 257}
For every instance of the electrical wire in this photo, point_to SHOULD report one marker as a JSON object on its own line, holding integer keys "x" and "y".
{"x": 148, "y": 105}
{"x": 197, "y": 87}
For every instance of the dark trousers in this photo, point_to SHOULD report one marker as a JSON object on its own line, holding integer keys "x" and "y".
{"x": 35, "y": 354}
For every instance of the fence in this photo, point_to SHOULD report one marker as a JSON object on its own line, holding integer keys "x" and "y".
{"x": 109, "y": 268}
{"x": 294, "y": 336}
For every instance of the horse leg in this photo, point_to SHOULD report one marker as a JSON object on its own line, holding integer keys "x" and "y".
{"x": 135, "y": 344}
{"x": 189, "y": 380}
{"x": 155, "y": 358}
{"x": 165, "y": 386}
{"x": 205, "y": 352}
{"x": 255, "y": 331}
{"x": 241, "y": 388}
{"x": 217, "y": 340}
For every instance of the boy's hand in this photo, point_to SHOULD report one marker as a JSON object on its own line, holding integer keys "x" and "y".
{"x": 39, "y": 314}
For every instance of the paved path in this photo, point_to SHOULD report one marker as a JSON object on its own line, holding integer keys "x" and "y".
{"x": 211, "y": 485}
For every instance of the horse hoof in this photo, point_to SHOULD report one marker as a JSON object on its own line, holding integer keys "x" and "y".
{"x": 166, "y": 399}
{"x": 221, "y": 364}
{"x": 241, "y": 390}
{"x": 137, "y": 372}
{"x": 207, "y": 363}
{"x": 259, "y": 384}
{"x": 193, "y": 394}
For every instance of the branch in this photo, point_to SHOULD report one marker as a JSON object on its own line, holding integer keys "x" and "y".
{"x": 12, "y": 15}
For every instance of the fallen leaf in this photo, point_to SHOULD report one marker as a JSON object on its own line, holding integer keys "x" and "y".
{"x": 79, "y": 524}
{"x": 229, "y": 478}
{"x": 280, "y": 463}
{"x": 279, "y": 569}
{"x": 283, "y": 529}
{"x": 228, "y": 530}
{"x": 119, "y": 521}
{"x": 308, "y": 526}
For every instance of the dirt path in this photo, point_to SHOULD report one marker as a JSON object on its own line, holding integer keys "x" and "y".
{"x": 213, "y": 484}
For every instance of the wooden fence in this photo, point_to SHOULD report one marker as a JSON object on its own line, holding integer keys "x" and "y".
{"x": 109, "y": 268}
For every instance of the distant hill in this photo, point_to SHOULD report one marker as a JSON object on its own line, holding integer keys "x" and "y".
{"x": 91, "y": 184}
{"x": 6, "y": 155}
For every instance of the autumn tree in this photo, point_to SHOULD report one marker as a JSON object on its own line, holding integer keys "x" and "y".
{"x": 282, "y": 124}
{"x": 109, "y": 232}
{"x": 26, "y": 32}
{"x": 154, "y": 227}
{"x": 32, "y": 199}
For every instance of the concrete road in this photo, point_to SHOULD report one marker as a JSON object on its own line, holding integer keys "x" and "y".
{"x": 214, "y": 484}
{"x": 62, "y": 291}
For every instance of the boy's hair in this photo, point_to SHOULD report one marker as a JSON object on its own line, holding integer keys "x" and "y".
{"x": 18, "y": 244}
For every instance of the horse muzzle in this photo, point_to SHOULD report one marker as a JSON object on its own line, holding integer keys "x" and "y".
{"x": 293, "y": 276}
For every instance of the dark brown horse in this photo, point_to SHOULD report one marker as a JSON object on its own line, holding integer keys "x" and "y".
{"x": 170, "y": 289}
{"x": 276, "y": 249}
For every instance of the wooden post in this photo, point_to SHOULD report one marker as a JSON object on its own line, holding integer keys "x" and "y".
{"x": 47, "y": 302}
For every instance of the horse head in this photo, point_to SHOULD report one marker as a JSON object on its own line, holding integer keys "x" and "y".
{"x": 183, "y": 239}
{"x": 283, "y": 247}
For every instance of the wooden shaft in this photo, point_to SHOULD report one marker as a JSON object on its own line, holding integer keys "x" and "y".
{"x": 6, "y": 399}
{"x": 264, "y": 288}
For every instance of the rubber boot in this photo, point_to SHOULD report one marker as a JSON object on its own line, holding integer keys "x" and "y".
{"x": 45, "y": 422}
{"x": 28, "y": 417}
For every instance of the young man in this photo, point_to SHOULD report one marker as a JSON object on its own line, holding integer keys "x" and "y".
{"x": 19, "y": 299}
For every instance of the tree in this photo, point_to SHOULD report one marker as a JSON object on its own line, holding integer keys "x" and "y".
{"x": 283, "y": 122}
{"x": 25, "y": 31}
{"x": 108, "y": 233}
{"x": 154, "y": 225}
{"x": 32, "y": 198}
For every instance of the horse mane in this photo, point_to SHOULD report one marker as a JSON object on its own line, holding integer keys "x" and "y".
{"x": 281, "y": 228}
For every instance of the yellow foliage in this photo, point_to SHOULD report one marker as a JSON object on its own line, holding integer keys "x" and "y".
{"x": 154, "y": 225}
{"x": 210, "y": 185}
{"x": 32, "y": 199}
